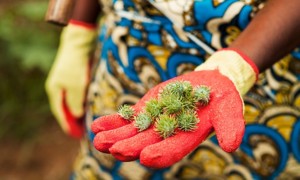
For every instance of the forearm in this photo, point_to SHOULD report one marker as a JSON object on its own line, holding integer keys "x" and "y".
{"x": 273, "y": 33}
{"x": 86, "y": 11}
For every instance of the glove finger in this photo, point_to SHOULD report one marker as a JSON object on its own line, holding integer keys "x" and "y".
{"x": 75, "y": 123}
{"x": 230, "y": 133}
{"x": 55, "y": 95}
{"x": 75, "y": 100}
{"x": 108, "y": 122}
{"x": 130, "y": 149}
{"x": 105, "y": 139}
{"x": 228, "y": 120}
{"x": 169, "y": 151}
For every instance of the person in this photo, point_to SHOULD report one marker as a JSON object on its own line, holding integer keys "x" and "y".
{"x": 143, "y": 44}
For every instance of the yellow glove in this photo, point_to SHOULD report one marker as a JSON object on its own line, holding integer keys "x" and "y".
{"x": 68, "y": 78}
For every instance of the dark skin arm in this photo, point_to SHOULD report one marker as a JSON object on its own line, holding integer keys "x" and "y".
{"x": 86, "y": 11}
{"x": 272, "y": 34}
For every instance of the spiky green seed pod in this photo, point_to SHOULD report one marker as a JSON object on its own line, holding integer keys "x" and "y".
{"x": 142, "y": 121}
{"x": 165, "y": 125}
{"x": 186, "y": 88}
{"x": 187, "y": 120}
{"x": 180, "y": 88}
{"x": 175, "y": 107}
{"x": 126, "y": 112}
{"x": 202, "y": 94}
{"x": 171, "y": 104}
{"x": 188, "y": 103}
{"x": 154, "y": 108}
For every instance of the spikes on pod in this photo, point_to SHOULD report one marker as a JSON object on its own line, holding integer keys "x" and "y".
{"x": 126, "y": 112}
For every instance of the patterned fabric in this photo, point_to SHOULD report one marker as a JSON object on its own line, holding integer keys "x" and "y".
{"x": 143, "y": 43}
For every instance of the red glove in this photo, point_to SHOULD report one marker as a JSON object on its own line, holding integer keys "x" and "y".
{"x": 223, "y": 114}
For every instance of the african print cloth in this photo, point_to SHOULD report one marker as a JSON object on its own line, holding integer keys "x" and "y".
{"x": 143, "y": 43}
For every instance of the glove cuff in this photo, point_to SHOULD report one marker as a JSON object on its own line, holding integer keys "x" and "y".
{"x": 79, "y": 33}
{"x": 235, "y": 65}
{"x": 82, "y": 24}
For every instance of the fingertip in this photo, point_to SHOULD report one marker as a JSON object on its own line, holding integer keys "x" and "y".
{"x": 152, "y": 159}
{"x": 230, "y": 138}
{"x": 122, "y": 154}
{"x": 102, "y": 143}
{"x": 105, "y": 139}
{"x": 98, "y": 125}
{"x": 230, "y": 144}
{"x": 108, "y": 122}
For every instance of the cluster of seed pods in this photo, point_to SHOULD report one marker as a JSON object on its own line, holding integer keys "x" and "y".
{"x": 174, "y": 108}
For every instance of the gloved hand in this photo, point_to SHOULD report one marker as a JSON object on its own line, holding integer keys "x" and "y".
{"x": 68, "y": 78}
{"x": 227, "y": 73}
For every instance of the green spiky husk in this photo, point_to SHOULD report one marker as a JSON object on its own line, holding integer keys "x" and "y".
{"x": 179, "y": 88}
{"x": 165, "y": 125}
{"x": 202, "y": 94}
{"x": 142, "y": 121}
{"x": 126, "y": 112}
{"x": 175, "y": 108}
{"x": 187, "y": 120}
{"x": 154, "y": 108}
{"x": 171, "y": 104}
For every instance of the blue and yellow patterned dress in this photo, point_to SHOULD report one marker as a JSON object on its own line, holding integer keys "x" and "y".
{"x": 143, "y": 43}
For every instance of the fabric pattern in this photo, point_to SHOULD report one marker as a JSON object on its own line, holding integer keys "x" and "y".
{"x": 143, "y": 43}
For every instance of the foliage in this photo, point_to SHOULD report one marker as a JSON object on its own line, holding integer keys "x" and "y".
{"x": 27, "y": 47}
{"x": 25, "y": 35}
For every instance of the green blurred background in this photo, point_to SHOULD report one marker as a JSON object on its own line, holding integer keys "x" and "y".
{"x": 32, "y": 144}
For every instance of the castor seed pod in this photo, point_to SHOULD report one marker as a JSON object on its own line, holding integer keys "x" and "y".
{"x": 202, "y": 94}
{"x": 187, "y": 120}
{"x": 165, "y": 125}
{"x": 142, "y": 121}
{"x": 126, "y": 112}
{"x": 171, "y": 104}
{"x": 153, "y": 108}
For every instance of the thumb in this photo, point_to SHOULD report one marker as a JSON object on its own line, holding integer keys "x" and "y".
{"x": 75, "y": 101}
{"x": 228, "y": 121}
{"x": 75, "y": 124}
{"x": 55, "y": 96}
{"x": 230, "y": 133}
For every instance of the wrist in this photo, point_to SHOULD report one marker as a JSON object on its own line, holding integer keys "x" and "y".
{"x": 246, "y": 58}
{"x": 91, "y": 26}
{"x": 78, "y": 32}
{"x": 77, "y": 44}
{"x": 235, "y": 65}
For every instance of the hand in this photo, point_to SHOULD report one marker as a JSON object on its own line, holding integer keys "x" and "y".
{"x": 68, "y": 78}
{"x": 223, "y": 114}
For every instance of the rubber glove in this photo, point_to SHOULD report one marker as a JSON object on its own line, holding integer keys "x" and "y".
{"x": 68, "y": 78}
{"x": 229, "y": 75}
